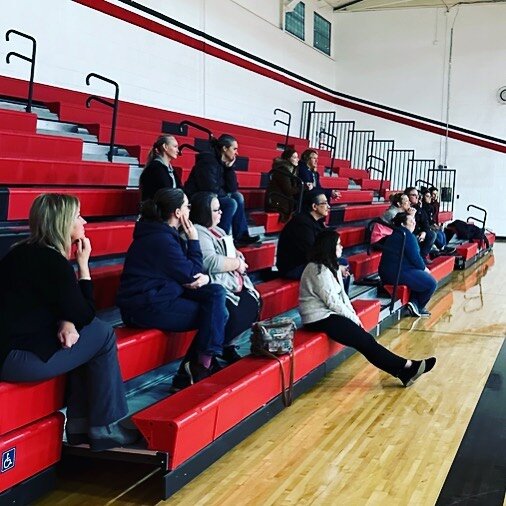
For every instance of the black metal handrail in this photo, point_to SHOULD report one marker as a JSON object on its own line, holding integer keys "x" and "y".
{"x": 298, "y": 180}
{"x": 332, "y": 147}
{"x": 188, "y": 146}
{"x": 453, "y": 175}
{"x": 23, "y": 57}
{"x": 428, "y": 185}
{"x": 482, "y": 221}
{"x": 196, "y": 126}
{"x": 377, "y": 169}
{"x": 286, "y": 123}
{"x": 113, "y": 105}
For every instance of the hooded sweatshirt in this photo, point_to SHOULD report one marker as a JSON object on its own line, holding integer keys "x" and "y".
{"x": 157, "y": 264}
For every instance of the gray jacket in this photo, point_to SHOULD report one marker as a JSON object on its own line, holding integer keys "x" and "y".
{"x": 214, "y": 255}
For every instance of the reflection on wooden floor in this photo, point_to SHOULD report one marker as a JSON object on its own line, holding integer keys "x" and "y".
{"x": 357, "y": 438}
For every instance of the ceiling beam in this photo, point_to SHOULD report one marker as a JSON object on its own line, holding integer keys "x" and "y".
{"x": 347, "y": 4}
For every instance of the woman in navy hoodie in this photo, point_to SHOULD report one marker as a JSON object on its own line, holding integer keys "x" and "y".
{"x": 163, "y": 284}
{"x": 413, "y": 273}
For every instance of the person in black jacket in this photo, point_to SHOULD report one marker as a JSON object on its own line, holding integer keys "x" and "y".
{"x": 298, "y": 237}
{"x": 158, "y": 172}
{"x": 163, "y": 284}
{"x": 425, "y": 235}
{"x": 308, "y": 172}
{"x": 48, "y": 325}
{"x": 213, "y": 172}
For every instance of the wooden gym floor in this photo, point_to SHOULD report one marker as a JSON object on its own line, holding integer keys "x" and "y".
{"x": 357, "y": 438}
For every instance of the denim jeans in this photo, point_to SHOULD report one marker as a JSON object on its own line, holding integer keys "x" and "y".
{"x": 95, "y": 388}
{"x": 440, "y": 239}
{"x": 421, "y": 285}
{"x": 233, "y": 216}
{"x": 427, "y": 243}
{"x": 203, "y": 309}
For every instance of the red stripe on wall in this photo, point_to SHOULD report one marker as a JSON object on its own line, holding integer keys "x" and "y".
{"x": 152, "y": 26}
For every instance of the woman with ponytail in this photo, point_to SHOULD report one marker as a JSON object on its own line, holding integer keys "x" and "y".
{"x": 158, "y": 172}
{"x": 213, "y": 172}
{"x": 163, "y": 284}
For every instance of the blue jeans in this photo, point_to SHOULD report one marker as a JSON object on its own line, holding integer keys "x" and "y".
{"x": 440, "y": 239}
{"x": 94, "y": 385}
{"x": 427, "y": 243}
{"x": 203, "y": 309}
{"x": 233, "y": 216}
{"x": 421, "y": 285}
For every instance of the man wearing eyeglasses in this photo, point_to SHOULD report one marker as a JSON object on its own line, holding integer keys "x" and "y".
{"x": 299, "y": 234}
{"x": 423, "y": 231}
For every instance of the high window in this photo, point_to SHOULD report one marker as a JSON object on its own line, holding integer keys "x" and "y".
{"x": 321, "y": 39}
{"x": 294, "y": 21}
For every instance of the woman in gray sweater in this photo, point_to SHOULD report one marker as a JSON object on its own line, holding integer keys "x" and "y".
{"x": 325, "y": 307}
{"x": 225, "y": 266}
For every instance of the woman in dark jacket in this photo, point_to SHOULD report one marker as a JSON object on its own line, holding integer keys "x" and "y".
{"x": 213, "y": 172}
{"x": 158, "y": 172}
{"x": 284, "y": 185}
{"x": 163, "y": 284}
{"x": 308, "y": 172}
{"x": 413, "y": 273}
{"x": 48, "y": 325}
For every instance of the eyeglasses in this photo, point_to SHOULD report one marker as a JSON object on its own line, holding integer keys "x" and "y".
{"x": 323, "y": 204}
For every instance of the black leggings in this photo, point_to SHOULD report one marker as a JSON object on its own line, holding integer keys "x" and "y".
{"x": 345, "y": 331}
{"x": 241, "y": 316}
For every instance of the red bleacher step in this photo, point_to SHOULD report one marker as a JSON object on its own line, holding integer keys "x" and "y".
{"x": 268, "y": 220}
{"x": 364, "y": 212}
{"x": 23, "y": 403}
{"x": 37, "y": 446}
{"x": 362, "y": 264}
{"x": 371, "y": 184}
{"x": 78, "y": 173}
{"x": 188, "y": 421}
{"x": 467, "y": 250}
{"x": 15, "y": 121}
{"x": 334, "y": 183}
{"x": 94, "y": 202}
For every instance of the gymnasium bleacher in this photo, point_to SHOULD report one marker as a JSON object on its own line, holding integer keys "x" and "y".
{"x": 62, "y": 147}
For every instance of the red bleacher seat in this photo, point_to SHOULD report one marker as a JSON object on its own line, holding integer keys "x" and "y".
{"x": 270, "y": 221}
{"x": 364, "y": 212}
{"x": 467, "y": 250}
{"x": 14, "y": 121}
{"x": 362, "y": 264}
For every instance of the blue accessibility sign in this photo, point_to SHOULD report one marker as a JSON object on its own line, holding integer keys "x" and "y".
{"x": 8, "y": 459}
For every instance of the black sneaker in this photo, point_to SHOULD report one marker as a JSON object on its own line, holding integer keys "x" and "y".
{"x": 230, "y": 354}
{"x": 413, "y": 310}
{"x": 424, "y": 313}
{"x": 179, "y": 381}
{"x": 197, "y": 372}
{"x": 449, "y": 250}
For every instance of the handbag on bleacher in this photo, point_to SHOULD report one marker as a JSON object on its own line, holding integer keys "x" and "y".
{"x": 273, "y": 337}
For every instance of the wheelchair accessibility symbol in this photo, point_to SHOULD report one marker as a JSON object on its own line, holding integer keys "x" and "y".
{"x": 8, "y": 459}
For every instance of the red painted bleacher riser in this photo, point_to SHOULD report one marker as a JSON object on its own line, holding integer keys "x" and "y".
{"x": 362, "y": 264}
{"x": 352, "y": 236}
{"x": 467, "y": 250}
{"x": 371, "y": 184}
{"x": 23, "y": 403}
{"x": 191, "y": 419}
{"x": 94, "y": 202}
{"x": 337, "y": 183}
{"x": 270, "y": 221}
{"x": 43, "y": 147}
{"x": 14, "y": 121}
{"x": 445, "y": 216}
{"x": 44, "y": 172}
{"x": 367, "y": 212}
{"x": 37, "y": 447}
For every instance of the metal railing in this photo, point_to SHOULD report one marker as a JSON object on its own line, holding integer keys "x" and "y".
{"x": 331, "y": 147}
{"x": 358, "y": 142}
{"x": 188, "y": 146}
{"x": 286, "y": 123}
{"x": 399, "y": 167}
{"x": 314, "y": 122}
{"x": 114, "y": 105}
{"x": 341, "y": 129}
{"x": 381, "y": 171}
{"x": 197, "y": 127}
{"x": 444, "y": 179}
{"x": 482, "y": 220}
{"x": 26, "y": 58}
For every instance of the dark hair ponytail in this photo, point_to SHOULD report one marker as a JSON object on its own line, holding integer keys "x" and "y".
{"x": 323, "y": 251}
{"x": 162, "y": 205}
{"x": 223, "y": 141}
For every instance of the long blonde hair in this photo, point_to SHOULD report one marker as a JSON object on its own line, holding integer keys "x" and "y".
{"x": 156, "y": 149}
{"x": 51, "y": 219}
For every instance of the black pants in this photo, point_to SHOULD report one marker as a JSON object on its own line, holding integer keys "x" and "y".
{"x": 347, "y": 332}
{"x": 241, "y": 316}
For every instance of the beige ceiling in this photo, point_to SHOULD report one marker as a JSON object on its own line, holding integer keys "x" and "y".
{"x": 374, "y": 5}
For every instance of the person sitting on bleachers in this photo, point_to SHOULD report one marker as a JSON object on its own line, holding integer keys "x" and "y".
{"x": 163, "y": 284}
{"x": 430, "y": 211}
{"x": 214, "y": 172}
{"x": 299, "y": 234}
{"x": 48, "y": 325}
{"x": 425, "y": 235}
{"x": 308, "y": 172}
{"x": 227, "y": 267}
{"x": 399, "y": 202}
{"x": 413, "y": 273}
{"x": 284, "y": 185}
{"x": 158, "y": 172}
{"x": 325, "y": 307}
